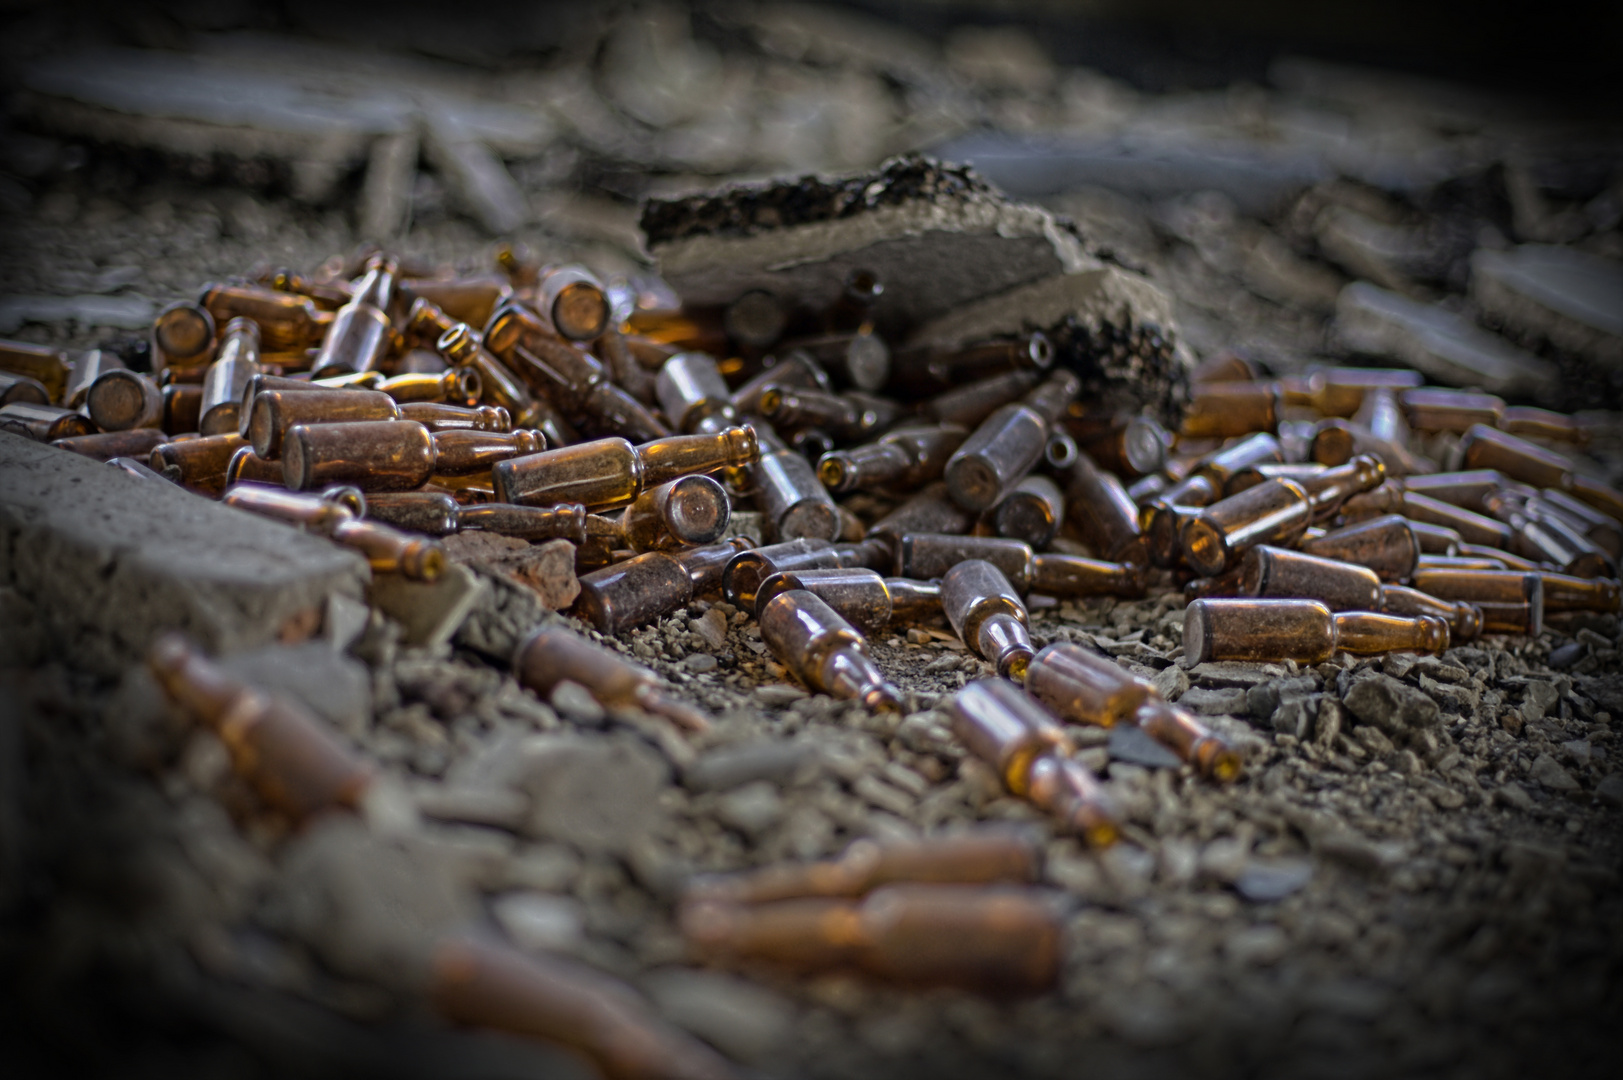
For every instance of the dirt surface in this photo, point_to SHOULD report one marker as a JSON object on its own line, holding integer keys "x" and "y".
{"x": 1372, "y": 897}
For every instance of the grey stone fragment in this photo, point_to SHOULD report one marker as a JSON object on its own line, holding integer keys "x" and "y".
{"x": 731, "y": 766}
{"x": 1327, "y": 725}
{"x": 1610, "y": 789}
{"x": 333, "y": 686}
{"x": 108, "y": 562}
{"x": 1263, "y": 699}
{"x": 1207, "y": 701}
{"x": 1264, "y": 881}
{"x": 503, "y": 618}
{"x": 372, "y": 907}
{"x": 751, "y": 809}
{"x": 1171, "y": 682}
{"x": 1132, "y": 744}
{"x": 937, "y": 236}
{"x": 1221, "y": 673}
{"x": 1296, "y": 716}
{"x": 500, "y": 807}
{"x": 1514, "y": 795}
{"x": 743, "y": 1019}
{"x": 1538, "y": 698}
{"x": 574, "y": 702}
{"x": 473, "y": 172}
{"x": 1563, "y": 657}
{"x": 430, "y": 612}
{"x": 598, "y": 794}
{"x": 540, "y": 923}
{"x": 1252, "y": 945}
{"x": 123, "y": 312}
{"x": 1392, "y": 706}
{"x": 547, "y": 568}
{"x": 1443, "y": 345}
{"x": 1547, "y": 771}
{"x": 1099, "y": 321}
{"x": 385, "y": 199}
{"x": 1567, "y": 297}
{"x": 712, "y": 626}
{"x": 779, "y": 694}
{"x": 698, "y": 663}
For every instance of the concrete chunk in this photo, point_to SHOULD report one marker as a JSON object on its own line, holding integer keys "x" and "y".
{"x": 937, "y": 235}
{"x": 1441, "y": 344}
{"x": 108, "y": 562}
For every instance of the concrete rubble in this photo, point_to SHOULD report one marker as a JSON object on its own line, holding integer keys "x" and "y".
{"x": 1418, "y": 873}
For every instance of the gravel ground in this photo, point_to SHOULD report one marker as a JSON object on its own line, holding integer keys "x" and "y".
{"x": 1423, "y": 880}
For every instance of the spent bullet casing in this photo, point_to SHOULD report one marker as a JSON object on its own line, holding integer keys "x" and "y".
{"x": 788, "y": 492}
{"x": 1222, "y": 410}
{"x": 824, "y": 651}
{"x": 361, "y": 333}
{"x": 898, "y": 461}
{"x": 1464, "y": 620}
{"x": 1483, "y": 447}
{"x": 651, "y": 585}
{"x": 1276, "y": 573}
{"x": 612, "y": 472}
{"x": 1100, "y": 509}
{"x": 431, "y": 512}
{"x": 287, "y": 323}
{"x": 183, "y": 335}
{"x": 1387, "y": 545}
{"x": 237, "y": 361}
{"x": 564, "y": 521}
{"x": 104, "y": 446}
{"x": 688, "y": 510}
{"x": 44, "y": 423}
{"x": 121, "y": 399}
{"x": 47, "y": 366}
{"x": 22, "y": 389}
{"x": 1306, "y": 631}
{"x": 550, "y": 656}
{"x": 969, "y": 405}
{"x": 862, "y": 596}
{"x": 988, "y": 616}
{"x": 1007, "y": 444}
{"x": 393, "y": 455}
{"x": 742, "y": 579}
{"x": 929, "y": 555}
{"x": 1031, "y": 512}
{"x": 693, "y": 395}
{"x": 932, "y": 510}
{"x": 991, "y": 939}
{"x": 574, "y": 300}
{"x": 273, "y": 412}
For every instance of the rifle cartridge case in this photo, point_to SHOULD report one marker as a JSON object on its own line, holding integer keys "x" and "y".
{"x": 288, "y": 756}
{"x": 1464, "y": 620}
{"x": 824, "y": 651}
{"x": 437, "y": 416}
{"x": 1329, "y": 489}
{"x": 788, "y": 492}
{"x": 1224, "y": 410}
{"x": 44, "y": 423}
{"x": 314, "y": 513}
{"x": 430, "y": 512}
{"x": 1472, "y": 527}
{"x": 932, "y": 510}
{"x": 860, "y": 359}
{"x": 900, "y": 460}
{"x": 1085, "y": 687}
{"x": 1466, "y": 490}
{"x": 929, "y": 556}
{"x": 969, "y": 405}
{"x": 1567, "y": 592}
{"x": 987, "y": 939}
{"x": 1608, "y": 500}
{"x": 121, "y": 399}
{"x": 328, "y": 295}
{"x": 1431, "y": 409}
{"x": 389, "y": 551}
{"x": 24, "y": 390}
{"x": 846, "y": 418}
{"x": 755, "y": 320}
{"x": 566, "y": 521}
{"x": 362, "y": 333}
{"x": 274, "y": 412}
{"x": 1528, "y": 422}
{"x": 1191, "y": 740}
{"x": 48, "y": 366}
{"x": 287, "y": 323}
{"x": 1483, "y": 447}
{"x": 462, "y": 386}
{"x": 852, "y": 310}
{"x": 1102, "y": 512}
{"x": 1504, "y": 559}
{"x": 1006, "y": 728}
{"x": 244, "y": 464}
{"x": 1031, "y": 512}
{"x": 652, "y": 585}
{"x": 795, "y": 368}
{"x": 1128, "y": 445}
{"x": 1599, "y": 527}
{"x": 1302, "y": 630}
{"x": 1274, "y": 573}
{"x": 1252, "y": 475}
{"x": 575, "y": 302}
{"x": 988, "y": 616}
{"x": 135, "y": 443}
{"x": 551, "y": 655}
{"x": 688, "y": 510}
{"x": 201, "y": 465}
{"x": 471, "y": 300}
{"x": 1007, "y": 444}
{"x": 693, "y": 395}
{"x": 742, "y": 579}
{"x": 181, "y": 413}
{"x": 235, "y": 362}
{"x": 183, "y": 335}
{"x": 1274, "y": 512}
{"x": 609, "y": 473}
{"x": 1339, "y": 391}
{"x": 928, "y": 369}
{"x": 979, "y": 857}
{"x": 1511, "y": 601}
{"x": 860, "y": 595}
{"x": 89, "y": 367}
{"x": 1436, "y": 539}
{"x": 1548, "y": 538}
{"x": 381, "y": 455}
{"x": 547, "y": 998}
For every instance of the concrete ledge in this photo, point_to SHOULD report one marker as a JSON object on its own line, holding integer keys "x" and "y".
{"x": 108, "y": 561}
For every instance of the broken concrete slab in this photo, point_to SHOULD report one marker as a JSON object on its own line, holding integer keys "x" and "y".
{"x": 937, "y": 235}
{"x": 122, "y": 312}
{"x": 334, "y": 686}
{"x": 1569, "y": 298}
{"x": 547, "y": 569}
{"x": 1111, "y": 326}
{"x": 108, "y": 562}
{"x": 430, "y": 612}
{"x": 1444, "y": 345}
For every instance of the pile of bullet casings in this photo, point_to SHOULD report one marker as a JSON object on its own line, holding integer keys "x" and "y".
{"x": 383, "y": 405}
